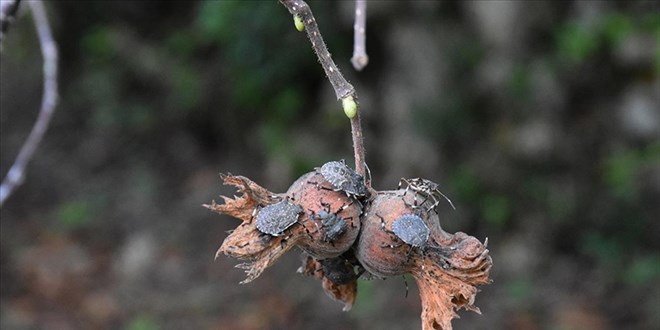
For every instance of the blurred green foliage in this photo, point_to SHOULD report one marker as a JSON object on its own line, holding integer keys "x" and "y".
{"x": 74, "y": 214}
{"x": 519, "y": 84}
{"x": 576, "y": 43}
{"x": 365, "y": 300}
{"x": 519, "y": 290}
{"x": 607, "y": 251}
{"x": 621, "y": 170}
{"x": 496, "y": 209}
{"x": 643, "y": 270}
{"x": 97, "y": 45}
{"x": 143, "y": 322}
{"x": 187, "y": 87}
{"x": 263, "y": 69}
{"x": 621, "y": 263}
{"x": 253, "y": 71}
{"x": 617, "y": 27}
{"x": 465, "y": 184}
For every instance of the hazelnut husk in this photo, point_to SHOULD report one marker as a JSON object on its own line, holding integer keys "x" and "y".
{"x": 246, "y": 242}
{"x": 316, "y": 196}
{"x": 447, "y": 268}
{"x": 337, "y": 276}
{"x": 261, "y": 250}
{"x": 379, "y": 250}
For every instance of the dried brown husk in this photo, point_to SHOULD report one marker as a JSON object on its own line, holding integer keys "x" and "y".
{"x": 246, "y": 242}
{"x": 260, "y": 250}
{"x": 342, "y": 292}
{"x": 447, "y": 269}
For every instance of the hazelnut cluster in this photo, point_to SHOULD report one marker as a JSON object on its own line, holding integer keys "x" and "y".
{"x": 347, "y": 230}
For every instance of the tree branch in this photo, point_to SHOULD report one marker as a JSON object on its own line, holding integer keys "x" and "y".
{"x": 343, "y": 89}
{"x": 16, "y": 173}
{"x": 360, "y": 58}
{"x": 358, "y": 147}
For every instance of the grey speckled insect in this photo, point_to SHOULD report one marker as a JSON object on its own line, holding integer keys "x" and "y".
{"x": 344, "y": 178}
{"x": 333, "y": 225}
{"x": 276, "y": 218}
{"x": 411, "y": 229}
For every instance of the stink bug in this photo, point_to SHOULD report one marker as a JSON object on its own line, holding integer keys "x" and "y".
{"x": 411, "y": 229}
{"x": 344, "y": 178}
{"x": 426, "y": 188}
{"x": 276, "y": 218}
{"x": 333, "y": 225}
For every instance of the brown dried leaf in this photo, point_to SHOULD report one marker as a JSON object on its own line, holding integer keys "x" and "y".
{"x": 311, "y": 267}
{"x": 242, "y": 207}
{"x": 343, "y": 293}
{"x": 246, "y": 242}
{"x": 449, "y": 278}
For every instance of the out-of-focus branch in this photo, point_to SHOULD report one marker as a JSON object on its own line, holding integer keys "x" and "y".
{"x": 16, "y": 173}
{"x": 8, "y": 10}
{"x": 360, "y": 58}
{"x": 343, "y": 89}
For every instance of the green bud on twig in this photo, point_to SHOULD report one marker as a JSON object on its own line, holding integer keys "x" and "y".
{"x": 299, "y": 23}
{"x": 350, "y": 107}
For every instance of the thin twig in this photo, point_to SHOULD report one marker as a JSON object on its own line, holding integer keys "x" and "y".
{"x": 16, "y": 173}
{"x": 342, "y": 87}
{"x": 358, "y": 146}
{"x": 8, "y": 10}
{"x": 360, "y": 58}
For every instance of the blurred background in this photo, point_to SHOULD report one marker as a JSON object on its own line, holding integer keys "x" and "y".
{"x": 540, "y": 119}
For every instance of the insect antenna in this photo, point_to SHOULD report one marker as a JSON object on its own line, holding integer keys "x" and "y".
{"x": 405, "y": 282}
{"x": 447, "y": 198}
{"x": 368, "y": 174}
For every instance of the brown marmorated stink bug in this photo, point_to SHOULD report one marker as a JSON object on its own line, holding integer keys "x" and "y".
{"x": 427, "y": 189}
{"x": 332, "y": 223}
{"x": 412, "y": 230}
{"x": 344, "y": 178}
{"x": 274, "y": 219}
